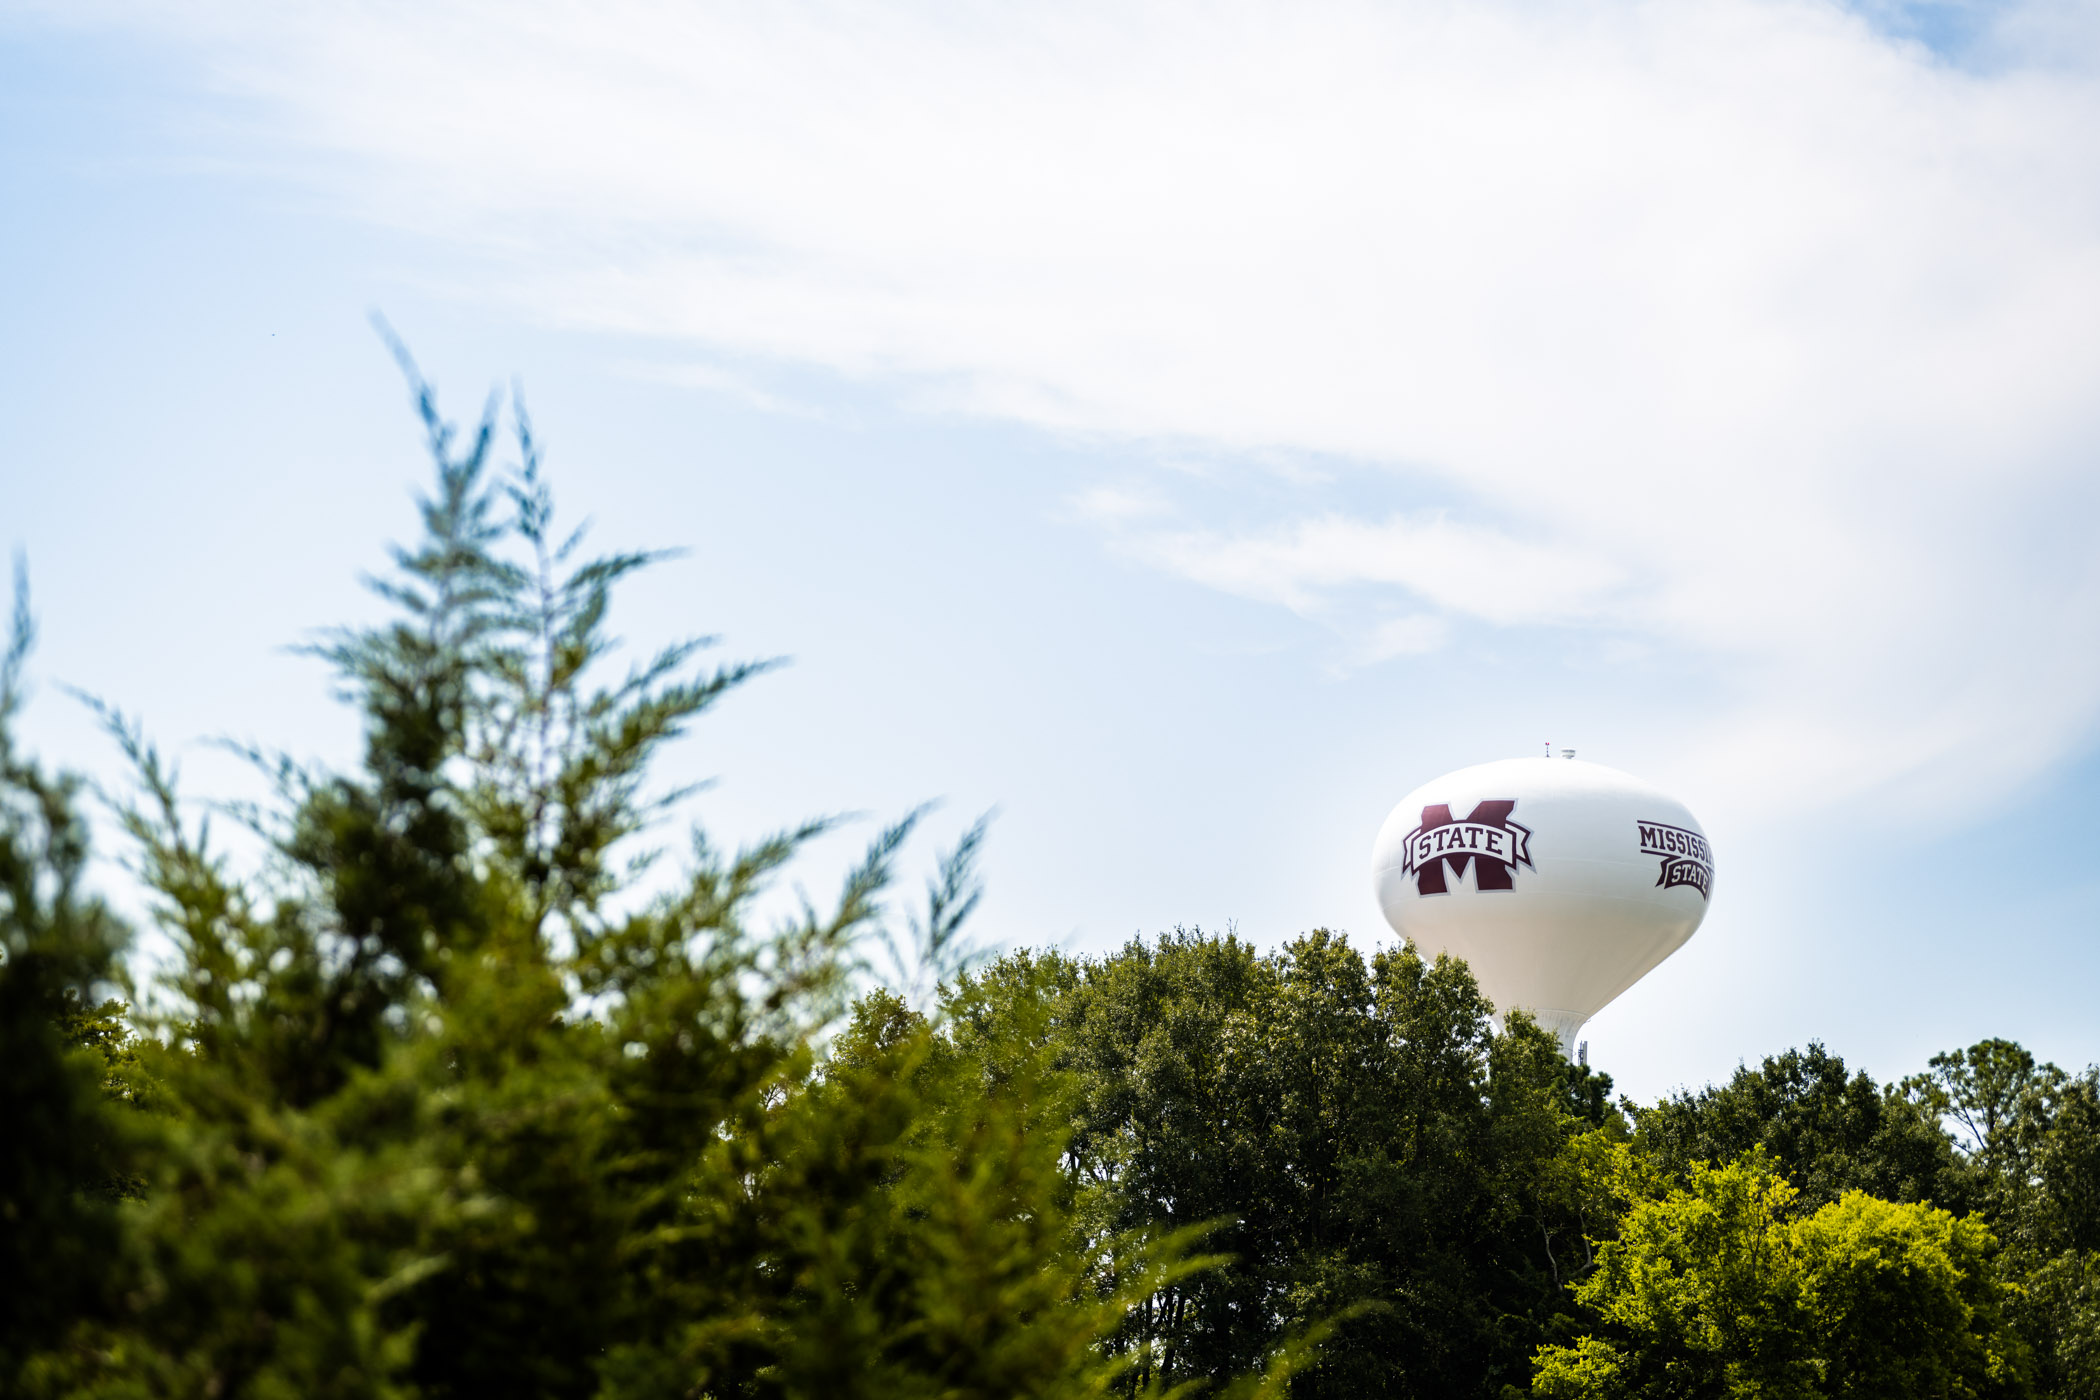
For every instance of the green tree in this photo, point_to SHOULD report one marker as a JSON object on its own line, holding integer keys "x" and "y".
{"x": 2044, "y": 1164}
{"x": 1722, "y": 1288}
{"x": 2058, "y": 1310}
{"x": 1354, "y": 1138}
{"x": 1983, "y": 1089}
{"x": 2037, "y": 1132}
{"x": 63, "y": 1156}
{"x": 1827, "y": 1131}
{"x": 457, "y": 1093}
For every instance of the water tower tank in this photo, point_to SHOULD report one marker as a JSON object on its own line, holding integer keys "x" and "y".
{"x": 1560, "y": 882}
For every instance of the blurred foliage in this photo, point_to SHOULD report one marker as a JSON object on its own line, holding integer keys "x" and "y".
{"x": 463, "y": 1088}
{"x": 65, "y": 1156}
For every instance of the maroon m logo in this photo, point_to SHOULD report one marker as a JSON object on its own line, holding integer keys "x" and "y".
{"x": 1487, "y": 840}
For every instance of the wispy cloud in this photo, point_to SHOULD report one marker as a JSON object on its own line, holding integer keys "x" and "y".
{"x": 718, "y": 379}
{"x": 1461, "y": 570}
{"x": 1754, "y": 327}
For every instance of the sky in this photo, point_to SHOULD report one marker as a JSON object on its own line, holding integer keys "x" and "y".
{"x": 1184, "y": 428}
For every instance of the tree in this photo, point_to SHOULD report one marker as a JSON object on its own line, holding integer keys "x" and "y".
{"x": 1826, "y": 1132}
{"x": 64, "y": 1154}
{"x": 1354, "y": 1138}
{"x": 2045, "y": 1161}
{"x": 2058, "y": 1310}
{"x": 2041, "y": 1142}
{"x": 1722, "y": 1287}
{"x": 446, "y": 1100}
{"x": 2023, "y": 1155}
{"x": 1983, "y": 1088}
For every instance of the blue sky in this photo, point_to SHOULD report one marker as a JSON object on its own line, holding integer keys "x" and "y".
{"x": 1184, "y": 427}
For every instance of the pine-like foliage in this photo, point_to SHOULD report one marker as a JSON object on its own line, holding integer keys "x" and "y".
{"x": 62, "y": 1151}
{"x": 448, "y": 1098}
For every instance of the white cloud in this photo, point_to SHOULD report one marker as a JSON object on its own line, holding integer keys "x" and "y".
{"x": 1740, "y": 325}
{"x": 1120, "y": 505}
{"x": 1467, "y": 572}
{"x": 716, "y": 379}
{"x": 1413, "y": 635}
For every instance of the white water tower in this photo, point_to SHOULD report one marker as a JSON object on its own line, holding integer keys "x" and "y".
{"x": 1561, "y": 883}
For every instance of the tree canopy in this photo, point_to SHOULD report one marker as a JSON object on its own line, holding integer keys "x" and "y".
{"x": 1725, "y": 1287}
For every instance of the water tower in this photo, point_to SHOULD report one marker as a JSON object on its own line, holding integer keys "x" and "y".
{"x": 1560, "y": 882}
